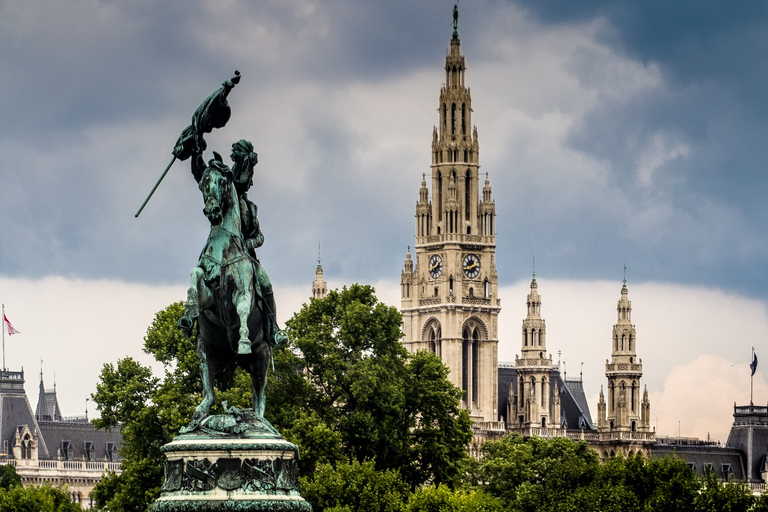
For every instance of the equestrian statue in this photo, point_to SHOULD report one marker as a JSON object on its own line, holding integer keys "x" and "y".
{"x": 230, "y": 295}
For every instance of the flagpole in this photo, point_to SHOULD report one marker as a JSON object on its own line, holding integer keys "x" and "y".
{"x": 3, "y": 337}
{"x": 751, "y": 377}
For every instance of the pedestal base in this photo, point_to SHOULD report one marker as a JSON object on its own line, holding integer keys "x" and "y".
{"x": 230, "y": 474}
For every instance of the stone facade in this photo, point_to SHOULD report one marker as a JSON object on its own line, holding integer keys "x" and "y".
{"x": 46, "y": 447}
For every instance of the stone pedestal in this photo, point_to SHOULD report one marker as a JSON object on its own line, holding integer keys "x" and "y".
{"x": 234, "y": 471}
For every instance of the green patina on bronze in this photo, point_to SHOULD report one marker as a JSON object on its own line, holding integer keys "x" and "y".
{"x": 231, "y": 300}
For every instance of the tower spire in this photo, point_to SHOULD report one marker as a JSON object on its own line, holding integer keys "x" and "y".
{"x": 456, "y": 20}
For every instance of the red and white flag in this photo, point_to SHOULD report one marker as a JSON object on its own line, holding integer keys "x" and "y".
{"x": 9, "y": 327}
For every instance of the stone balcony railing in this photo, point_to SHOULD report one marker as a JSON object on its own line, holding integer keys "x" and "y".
{"x": 457, "y": 237}
{"x": 489, "y": 426}
{"x": 623, "y": 367}
{"x": 63, "y": 465}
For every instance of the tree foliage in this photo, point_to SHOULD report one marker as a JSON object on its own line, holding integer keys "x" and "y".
{"x": 150, "y": 411}
{"x": 36, "y": 499}
{"x": 348, "y": 390}
{"x": 9, "y": 477}
{"x": 559, "y": 475}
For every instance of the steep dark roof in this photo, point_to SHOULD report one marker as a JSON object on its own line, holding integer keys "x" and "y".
{"x": 574, "y": 409}
{"x": 78, "y": 433}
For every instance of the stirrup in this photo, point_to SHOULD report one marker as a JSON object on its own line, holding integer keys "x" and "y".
{"x": 281, "y": 338}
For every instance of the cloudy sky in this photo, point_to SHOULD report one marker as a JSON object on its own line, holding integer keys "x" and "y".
{"x": 613, "y": 133}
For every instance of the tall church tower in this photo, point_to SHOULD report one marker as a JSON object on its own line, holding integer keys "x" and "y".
{"x": 449, "y": 295}
{"x": 624, "y": 410}
{"x": 536, "y": 404}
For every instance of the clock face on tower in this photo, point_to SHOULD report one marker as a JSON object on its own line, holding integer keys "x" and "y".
{"x": 471, "y": 266}
{"x": 435, "y": 266}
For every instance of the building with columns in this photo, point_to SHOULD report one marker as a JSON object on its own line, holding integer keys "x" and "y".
{"x": 449, "y": 295}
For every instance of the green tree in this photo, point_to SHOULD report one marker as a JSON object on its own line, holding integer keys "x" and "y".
{"x": 716, "y": 496}
{"x": 36, "y": 499}
{"x": 150, "y": 411}
{"x": 442, "y": 499}
{"x": 355, "y": 487}
{"x": 349, "y": 377}
{"x": 9, "y": 477}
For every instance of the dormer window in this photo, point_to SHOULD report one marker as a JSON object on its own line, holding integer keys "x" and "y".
{"x": 66, "y": 450}
{"x": 90, "y": 451}
{"x": 111, "y": 452}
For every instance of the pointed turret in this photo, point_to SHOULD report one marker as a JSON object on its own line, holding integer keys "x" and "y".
{"x": 624, "y": 372}
{"x": 319, "y": 287}
{"x": 534, "y": 369}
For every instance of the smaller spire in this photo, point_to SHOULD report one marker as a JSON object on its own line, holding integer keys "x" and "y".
{"x": 625, "y": 278}
{"x": 533, "y": 282}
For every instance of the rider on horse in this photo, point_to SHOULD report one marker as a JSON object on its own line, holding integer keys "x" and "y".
{"x": 244, "y": 159}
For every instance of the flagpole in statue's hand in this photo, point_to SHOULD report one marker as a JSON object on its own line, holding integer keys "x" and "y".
{"x": 155, "y": 187}
{"x": 213, "y": 113}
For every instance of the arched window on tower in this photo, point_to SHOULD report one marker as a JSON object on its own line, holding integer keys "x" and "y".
{"x": 623, "y": 341}
{"x": 486, "y": 289}
{"x": 445, "y": 116}
{"x": 453, "y": 119}
{"x": 464, "y": 120}
{"x": 475, "y": 367}
{"x": 439, "y": 198}
{"x": 543, "y": 391}
{"x": 467, "y": 193}
{"x": 465, "y": 362}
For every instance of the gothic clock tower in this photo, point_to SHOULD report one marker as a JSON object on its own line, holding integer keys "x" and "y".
{"x": 449, "y": 295}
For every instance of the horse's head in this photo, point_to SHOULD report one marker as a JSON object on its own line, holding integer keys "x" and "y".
{"x": 216, "y": 186}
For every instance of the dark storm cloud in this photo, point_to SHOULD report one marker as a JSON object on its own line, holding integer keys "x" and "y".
{"x": 668, "y": 177}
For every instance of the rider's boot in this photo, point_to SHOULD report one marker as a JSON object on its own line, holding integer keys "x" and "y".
{"x": 275, "y": 335}
{"x": 187, "y": 322}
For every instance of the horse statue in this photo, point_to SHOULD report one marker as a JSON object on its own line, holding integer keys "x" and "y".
{"x": 223, "y": 296}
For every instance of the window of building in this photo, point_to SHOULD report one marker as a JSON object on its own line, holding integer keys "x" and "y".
{"x": 111, "y": 452}
{"x": 90, "y": 451}
{"x": 692, "y": 466}
{"x": 708, "y": 466}
{"x": 66, "y": 450}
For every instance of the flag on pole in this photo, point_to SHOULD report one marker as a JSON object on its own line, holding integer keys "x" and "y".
{"x": 9, "y": 327}
{"x": 753, "y": 364}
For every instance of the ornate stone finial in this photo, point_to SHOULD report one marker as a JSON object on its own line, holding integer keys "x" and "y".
{"x": 534, "y": 271}
{"x": 456, "y": 20}
{"x": 625, "y": 275}
{"x": 318, "y": 254}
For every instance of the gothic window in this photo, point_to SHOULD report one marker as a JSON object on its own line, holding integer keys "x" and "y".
{"x": 463, "y": 121}
{"x": 623, "y": 339}
{"x": 543, "y": 422}
{"x": 450, "y": 285}
{"x": 465, "y": 156}
{"x": 544, "y": 392}
{"x": 634, "y": 426}
{"x": 467, "y": 195}
{"x": 465, "y": 355}
{"x": 630, "y": 342}
{"x": 435, "y": 291}
{"x": 487, "y": 289}
{"x": 439, "y": 198}
{"x": 445, "y": 115}
{"x": 475, "y": 367}
{"x": 453, "y": 119}
{"x": 634, "y": 394}
{"x": 471, "y": 292}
